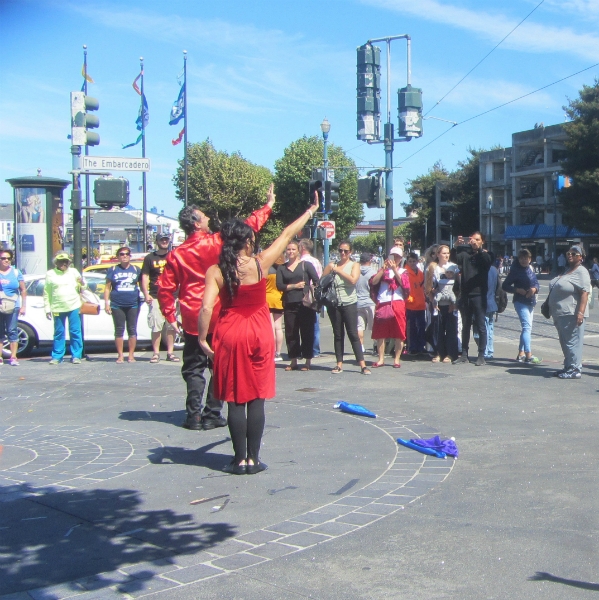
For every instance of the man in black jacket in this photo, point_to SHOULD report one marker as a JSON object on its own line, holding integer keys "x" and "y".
{"x": 474, "y": 264}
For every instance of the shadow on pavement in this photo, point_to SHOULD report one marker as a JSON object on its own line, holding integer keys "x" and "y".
{"x": 532, "y": 371}
{"x": 585, "y": 585}
{"x": 54, "y": 538}
{"x": 200, "y": 457}
{"x": 172, "y": 417}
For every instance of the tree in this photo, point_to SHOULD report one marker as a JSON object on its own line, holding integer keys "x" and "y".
{"x": 580, "y": 201}
{"x": 372, "y": 241}
{"x": 222, "y": 185}
{"x": 421, "y": 191}
{"x": 293, "y": 171}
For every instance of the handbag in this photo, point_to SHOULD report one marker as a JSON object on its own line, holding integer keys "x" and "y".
{"x": 326, "y": 292}
{"x": 384, "y": 312}
{"x": 308, "y": 299}
{"x": 90, "y": 303}
{"x": 7, "y": 303}
{"x": 545, "y": 311}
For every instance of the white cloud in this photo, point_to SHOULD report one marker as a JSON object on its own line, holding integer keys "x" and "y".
{"x": 531, "y": 36}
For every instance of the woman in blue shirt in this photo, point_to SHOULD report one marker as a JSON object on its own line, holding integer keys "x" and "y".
{"x": 13, "y": 286}
{"x": 121, "y": 299}
{"x": 523, "y": 283}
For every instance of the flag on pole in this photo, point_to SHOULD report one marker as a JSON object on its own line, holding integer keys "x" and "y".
{"x": 144, "y": 114}
{"x": 178, "y": 140}
{"x": 86, "y": 76}
{"x": 135, "y": 86}
{"x": 178, "y": 109}
{"x": 135, "y": 142}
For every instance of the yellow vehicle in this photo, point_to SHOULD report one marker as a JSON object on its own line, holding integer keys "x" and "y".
{"x": 102, "y": 268}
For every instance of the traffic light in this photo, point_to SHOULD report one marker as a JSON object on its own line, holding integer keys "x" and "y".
{"x": 369, "y": 92}
{"x": 331, "y": 197}
{"x": 409, "y": 109}
{"x": 371, "y": 191}
{"x": 111, "y": 191}
{"x": 81, "y": 121}
{"x": 315, "y": 185}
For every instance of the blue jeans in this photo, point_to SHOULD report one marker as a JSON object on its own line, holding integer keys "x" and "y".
{"x": 525, "y": 313}
{"x": 8, "y": 326}
{"x": 416, "y": 330}
{"x": 317, "y": 336}
{"x": 489, "y": 321}
{"x": 76, "y": 342}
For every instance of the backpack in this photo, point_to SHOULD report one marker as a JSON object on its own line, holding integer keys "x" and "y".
{"x": 501, "y": 298}
{"x": 325, "y": 293}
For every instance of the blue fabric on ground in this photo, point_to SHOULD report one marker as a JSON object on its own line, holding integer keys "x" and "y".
{"x": 355, "y": 409}
{"x": 436, "y": 443}
{"x": 421, "y": 449}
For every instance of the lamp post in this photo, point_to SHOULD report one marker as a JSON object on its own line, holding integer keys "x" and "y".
{"x": 325, "y": 127}
{"x": 490, "y": 207}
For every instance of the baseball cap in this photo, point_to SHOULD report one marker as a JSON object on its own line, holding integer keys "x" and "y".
{"x": 396, "y": 250}
{"x": 576, "y": 249}
{"x": 62, "y": 256}
{"x": 161, "y": 236}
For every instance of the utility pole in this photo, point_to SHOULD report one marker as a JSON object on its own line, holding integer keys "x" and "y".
{"x": 325, "y": 127}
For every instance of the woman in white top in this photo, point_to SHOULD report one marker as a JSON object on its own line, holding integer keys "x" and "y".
{"x": 444, "y": 320}
{"x": 389, "y": 287}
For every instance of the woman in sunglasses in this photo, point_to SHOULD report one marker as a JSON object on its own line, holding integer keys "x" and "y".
{"x": 344, "y": 317}
{"x": 568, "y": 298}
{"x": 122, "y": 299}
{"x": 13, "y": 303}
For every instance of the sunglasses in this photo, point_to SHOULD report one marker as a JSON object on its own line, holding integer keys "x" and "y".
{"x": 573, "y": 254}
{"x": 124, "y": 253}
{"x": 344, "y": 251}
{"x": 4, "y": 257}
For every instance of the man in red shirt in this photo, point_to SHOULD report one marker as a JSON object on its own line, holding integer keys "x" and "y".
{"x": 184, "y": 278}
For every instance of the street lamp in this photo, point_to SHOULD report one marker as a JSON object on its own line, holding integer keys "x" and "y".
{"x": 554, "y": 177}
{"x": 325, "y": 127}
{"x": 490, "y": 207}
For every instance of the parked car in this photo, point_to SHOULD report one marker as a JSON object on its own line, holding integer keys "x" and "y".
{"x": 36, "y": 330}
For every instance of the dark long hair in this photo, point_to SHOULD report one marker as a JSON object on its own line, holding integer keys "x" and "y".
{"x": 235, "y": 235}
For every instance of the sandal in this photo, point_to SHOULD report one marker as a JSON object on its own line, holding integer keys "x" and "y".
{"x": 366, "y": 371}
{"x": 305, "y": 368}
{"x": 436, "y": 359}
{"x": 377, "y": 365}
{"x": 290, "y": 368}
{"x": 155, "y": 359}
{"x": 337, "y": 370}
{"x": 446, "y": 359}
{"x": 396, "y": 365}
{"x": 172, "y": 358}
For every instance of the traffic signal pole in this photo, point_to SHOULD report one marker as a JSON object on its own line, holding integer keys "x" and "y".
{"x": 325, "y": 157}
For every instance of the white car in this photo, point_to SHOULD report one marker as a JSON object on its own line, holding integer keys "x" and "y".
{"x": 35, "y": 329}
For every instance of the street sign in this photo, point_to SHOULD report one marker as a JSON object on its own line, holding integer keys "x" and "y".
{"x": 114, "y": 163}
{"x": 329, "y": 227}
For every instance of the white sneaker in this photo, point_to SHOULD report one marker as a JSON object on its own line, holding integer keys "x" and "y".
{"x": 278, "y": 357}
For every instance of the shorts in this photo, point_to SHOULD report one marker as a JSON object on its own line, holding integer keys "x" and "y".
{"x": 156, "y": 319}
{"x": 365, "y": 318}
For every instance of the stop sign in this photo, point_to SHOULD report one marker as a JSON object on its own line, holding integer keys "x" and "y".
{"x": 329, "y": 227}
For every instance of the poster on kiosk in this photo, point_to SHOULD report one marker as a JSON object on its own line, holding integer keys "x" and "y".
{"x": 39, "y": 218}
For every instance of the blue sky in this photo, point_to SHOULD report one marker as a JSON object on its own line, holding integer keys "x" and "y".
{"x": 262, "y": 73}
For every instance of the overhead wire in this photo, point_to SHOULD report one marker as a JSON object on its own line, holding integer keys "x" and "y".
{"x": 484, "y": 58}
{"x": 497, "y": 107}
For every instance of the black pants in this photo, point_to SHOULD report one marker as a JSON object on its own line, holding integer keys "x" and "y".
{"x": 194, "y": 365}
{"x": 122, "y": 315}
{"x": 447, "y": 333}
{"x": 299, "y": 330}
{"x": 474, "y": 308}
{"x": 345, "y": 319}
{"x": 246, "y": 429}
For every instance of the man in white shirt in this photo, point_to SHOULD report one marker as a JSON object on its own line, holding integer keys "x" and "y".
{"x": 306, "y": 247}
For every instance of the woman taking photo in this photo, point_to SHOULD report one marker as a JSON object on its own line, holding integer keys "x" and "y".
{"x": 13, "y": 302}
{"x": 443, "y": 302}
{"x": 121, "y": 299}
{"x": 523, "y": 283}
{"x": 243, "y": 355}
{"x": 568, "y": 298}
{"x": 62, "y": 301}
{"x": 292, "y": 278}
{"x": 389, "y": 286}
{"x": 344, "y": 317}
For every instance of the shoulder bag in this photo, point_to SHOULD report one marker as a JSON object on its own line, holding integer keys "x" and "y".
{"x": 308, "y": 300}
{"x": 545, "y": 306}
{"x": 7, "y": 303}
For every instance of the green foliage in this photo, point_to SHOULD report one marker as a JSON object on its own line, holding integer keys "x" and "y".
{"x": 372, "y": 241}
{"x": 222, "y": 185}
{"x": 460, "y": 188}
{"x": 293, "y": 171}
{"x": 581, "y": 200}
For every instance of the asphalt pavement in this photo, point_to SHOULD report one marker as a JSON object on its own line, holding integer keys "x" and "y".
{"x": 103, "y": 494}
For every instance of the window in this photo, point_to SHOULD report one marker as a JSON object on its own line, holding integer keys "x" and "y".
{"x": 498, "y": 171}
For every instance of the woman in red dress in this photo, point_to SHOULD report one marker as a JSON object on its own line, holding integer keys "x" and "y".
{"x": 243, "y": 355}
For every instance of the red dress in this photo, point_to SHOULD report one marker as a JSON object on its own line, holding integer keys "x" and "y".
{"x": 244, "y": 347}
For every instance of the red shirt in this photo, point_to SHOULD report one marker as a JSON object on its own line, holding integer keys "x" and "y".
{"x": 185, "y": 272}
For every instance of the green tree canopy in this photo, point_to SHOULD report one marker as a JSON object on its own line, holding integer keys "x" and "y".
{"x": 581, "y": 200}
{"x": 293, "y": 171}
{"x": 372, "y": 241}
{"x": 223, "y": 185}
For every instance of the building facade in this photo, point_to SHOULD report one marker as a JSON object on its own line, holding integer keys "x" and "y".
{"x": 519, "y": 207}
